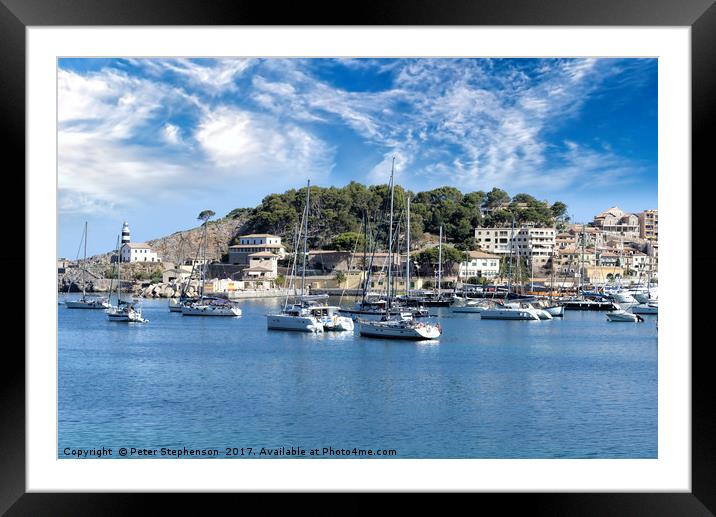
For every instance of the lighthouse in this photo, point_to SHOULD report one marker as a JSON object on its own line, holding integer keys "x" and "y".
{"x": 125, "y": 234}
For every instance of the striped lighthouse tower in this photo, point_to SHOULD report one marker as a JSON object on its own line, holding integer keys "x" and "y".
{"x": 125, "y": 234}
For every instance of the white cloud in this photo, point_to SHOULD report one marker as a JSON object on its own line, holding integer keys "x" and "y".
{"x": 171, "y": 134}
{"x": 252, "y": 145}
{"x": 213, "y": 76}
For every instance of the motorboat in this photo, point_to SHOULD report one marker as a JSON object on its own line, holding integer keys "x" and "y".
{"x": 541, "y": 313}
{"x": 511, "y": 311}
{"x": 624, "y": 316}
{"x": 646, "y": 308}
{"x": 469, "y": 306}
{"x": 556, "y": 311}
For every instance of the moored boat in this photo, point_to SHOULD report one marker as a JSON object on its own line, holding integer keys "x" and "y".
{"x": 624, "y": 316}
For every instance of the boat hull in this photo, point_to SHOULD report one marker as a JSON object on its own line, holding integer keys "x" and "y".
{"x": 380, "y": 329}
{"x": 645, "y": 309}
{"x": 79, "y": 304}
{"x": 625, "y": 317}
{"x": 469, "y": 309}
{"x": 293, "y": 323}
{"x": 509, "y": 314}
{"x": 207, "y": 310}
{"x": 588, "y": 305}
{"x": 555, "y": 312}
{"x": 338, "y": 324}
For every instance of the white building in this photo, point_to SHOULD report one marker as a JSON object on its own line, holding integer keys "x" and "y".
{"x": 137, "y": 252}
{"x": 255, "y": 243}
{"x": 263, "y": 264}
{"x": 614, "y": 221}
{"x": 480, "y": 264}
{"x": 537, "y": 244}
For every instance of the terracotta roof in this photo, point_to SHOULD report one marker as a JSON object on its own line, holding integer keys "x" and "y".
{"x": 135, "y": 245}
{"x": 257, "y": 235}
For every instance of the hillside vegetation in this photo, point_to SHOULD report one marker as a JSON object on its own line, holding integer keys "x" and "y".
{"x": 337, "y": 214}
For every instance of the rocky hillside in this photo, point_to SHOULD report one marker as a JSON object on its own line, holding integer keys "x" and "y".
{"x": 183, "y": 245}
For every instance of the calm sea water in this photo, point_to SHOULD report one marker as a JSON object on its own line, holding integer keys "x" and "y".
{"x": 580, "y": 387}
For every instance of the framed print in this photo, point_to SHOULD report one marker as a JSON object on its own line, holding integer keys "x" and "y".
{"x": 318, "y": 142}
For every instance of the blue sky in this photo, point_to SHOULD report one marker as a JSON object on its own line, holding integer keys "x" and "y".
{"x": 155, "y": 141}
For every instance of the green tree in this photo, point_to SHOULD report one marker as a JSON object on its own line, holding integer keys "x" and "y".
{"x": 205, "y": 215}
{"x": 340, "y": 277}
{"x": 348, "y": 241}
{"x": 497, "y": 197}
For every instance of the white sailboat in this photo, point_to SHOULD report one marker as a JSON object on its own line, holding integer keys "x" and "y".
{"x": 206, "y": 305}
{"x": 124, "y": 312}
{"x": 306, "y": 315}
{"x": 391, "y": 326}
{"x": 86, "y": 302}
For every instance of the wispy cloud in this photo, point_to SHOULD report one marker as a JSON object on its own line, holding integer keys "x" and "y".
{"x": 172, "y": 125}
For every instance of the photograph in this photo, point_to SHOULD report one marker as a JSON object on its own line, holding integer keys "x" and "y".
{"x": 357, "y": 258}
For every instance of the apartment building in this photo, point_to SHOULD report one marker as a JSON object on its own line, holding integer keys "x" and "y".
{"x": 649, "y": 225}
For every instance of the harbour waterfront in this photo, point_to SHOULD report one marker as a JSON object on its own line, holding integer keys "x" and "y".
{"x": 577, "y": 387}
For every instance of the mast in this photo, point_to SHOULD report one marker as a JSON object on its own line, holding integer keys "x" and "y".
{"x": 305, "y": 239}
{"x": 509, "y": 273}
{"x": 203, "y": 266}
{"x": 407, "y": 252}
{"x": 440, "y": 261}
{"x": 119, "y": 273}
{"x": 390, "y": 233}
{"x": 84, "y": 268}
{"x": 365, "y": 256}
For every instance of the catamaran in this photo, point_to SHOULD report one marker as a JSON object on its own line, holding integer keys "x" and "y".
{"x": 307, "y": 315}
{"x": 86, "y": 302}
{"x": 391, "y": 326}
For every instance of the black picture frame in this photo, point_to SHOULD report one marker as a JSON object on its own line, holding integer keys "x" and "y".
{"x": 700, "y": 15}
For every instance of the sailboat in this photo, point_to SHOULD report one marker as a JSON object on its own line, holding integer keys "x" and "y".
{"x": 86, "y": 302}
{"x": 390, "y": 326}
{"x": 126, "y": 312}
{"x": 307, "y": 315}
{"x": 207, "y": 305}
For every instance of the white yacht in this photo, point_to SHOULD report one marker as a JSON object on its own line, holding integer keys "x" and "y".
{"x": 127, "y": 313}
{"x": 297, "y": 318}
{"x": 646, "y": 308}
{"x": 210, "y": 307}
{"x": 624, "y": 316}
{"x": 306, "y": 316}
{"x": 396, "y": 328}
{"x": 556, "y": 311}
{"x": 88, "y": 302}
{"x": 511, "y": 311}
{"x": 467, "y": 305}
